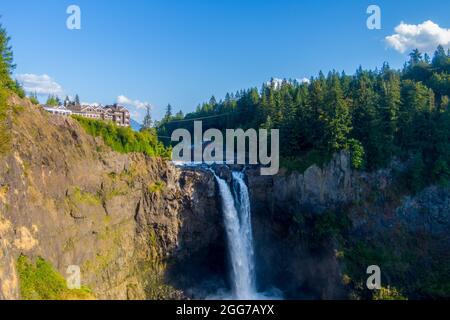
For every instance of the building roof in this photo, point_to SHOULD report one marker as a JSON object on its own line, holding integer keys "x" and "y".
{"x": 97, "y": 109}
{"x": 56, "y": 108}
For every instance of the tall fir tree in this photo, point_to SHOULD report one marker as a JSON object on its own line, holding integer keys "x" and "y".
{"x": 168, "y": 111}
{"x": 388, "y": 111}
{"x": 336, "y": 117}
{"x": 77, "y": 100}
{"x": 147, "y": 123}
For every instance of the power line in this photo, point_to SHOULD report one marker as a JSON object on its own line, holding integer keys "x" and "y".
{"x": 206, "y": 117}
{"x": 201, "y": 118}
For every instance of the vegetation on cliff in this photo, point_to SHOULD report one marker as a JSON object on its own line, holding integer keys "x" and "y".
{"x": 414, "y": 264}
{"x": 40, "y": 281}
{"x": 6, "y": 67}
{"x": 4, "y": 132}
{"x": 7, "y": 86}
{"x": 124, "y": 139}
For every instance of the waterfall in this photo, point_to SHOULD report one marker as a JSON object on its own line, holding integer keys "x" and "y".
{"x": 237, "y": 220}
{"x": 242, "y": 200}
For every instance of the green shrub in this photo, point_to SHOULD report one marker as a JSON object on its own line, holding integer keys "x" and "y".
{"x": 388, "y": 294}
{"x": 34, "y": 100}
{"x": 16, "y": 87}
{"x": 356, "y": 154}
{"x": 81, "y": 196}
{"x": 124, "y": 139}
{"x": 156, "y": 187}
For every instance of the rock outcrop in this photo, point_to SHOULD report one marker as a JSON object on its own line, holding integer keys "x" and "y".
{"x": 124, "y": 219}
{"x": 316, "y": 232}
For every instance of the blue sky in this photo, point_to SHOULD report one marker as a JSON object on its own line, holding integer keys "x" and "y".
{"x": 183, "y": 52}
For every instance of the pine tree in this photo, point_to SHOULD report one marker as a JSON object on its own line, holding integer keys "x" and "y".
{"x": 416, "y": 99}
{"x": 263, "y": 110}
{"x": 387, "y": 113}
{"x": 147, "y": 123}
{"x": 6, "y": 60}
{"x": 168, "y": 111}
{"x": 336, "y": 117}
{"x": 66, "y": 101}
{"x": 213, "y": 101}
{"x": 287, "y": 126}
{"x": 314, "y": 128}
{"x": 415, "y": 57}
{"x": 300, "y": 119}
{"x": 365, "y": 100}
{"x": 77, "y": 100}
{"x": 179, "y": 115}
{"x": 440, "y": 59}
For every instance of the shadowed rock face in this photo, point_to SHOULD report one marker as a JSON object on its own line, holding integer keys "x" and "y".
{"x": 306, "y": 258}
{"x": 199, "y": 265}
{"x": 285, "y": 257}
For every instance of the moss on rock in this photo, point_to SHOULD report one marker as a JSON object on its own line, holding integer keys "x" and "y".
{"x": 40, "y": 281}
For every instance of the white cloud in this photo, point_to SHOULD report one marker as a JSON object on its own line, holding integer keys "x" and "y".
{"x": 276, "y": 83}
{"x": 123, "y": 100}
{"x": 425, "y": 37}
{"x": 133, "y": 103}
{"x": 304, "y": 80}
{"x": 40, "y": 84}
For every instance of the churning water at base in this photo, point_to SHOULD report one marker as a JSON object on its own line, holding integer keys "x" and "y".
{"x": 237, "y": 220}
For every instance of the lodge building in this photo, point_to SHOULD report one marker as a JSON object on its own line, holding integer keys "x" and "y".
{"x": 116, "y": 113}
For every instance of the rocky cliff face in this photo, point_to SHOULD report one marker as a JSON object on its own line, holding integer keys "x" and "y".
{"x": 125, "y": 219}
{"x": 317, "y": 232}
{"x": 285, "y": 208}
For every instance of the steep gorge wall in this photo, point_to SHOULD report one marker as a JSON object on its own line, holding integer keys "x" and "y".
{"x": 125, "y": 219}
{"x": 317, "y": 232}
{"x": 284, "y": 208}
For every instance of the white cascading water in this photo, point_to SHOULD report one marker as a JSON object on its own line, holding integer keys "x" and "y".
{"x": 242, "y": 200}
{"x": 237, "y": 219}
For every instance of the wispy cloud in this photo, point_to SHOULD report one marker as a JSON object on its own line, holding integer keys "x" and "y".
{"x": 40, "y": 84}
{"x": 133, "y": 103}
{"x": 304, "y": 80}
{"x": 425, "y": 37}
